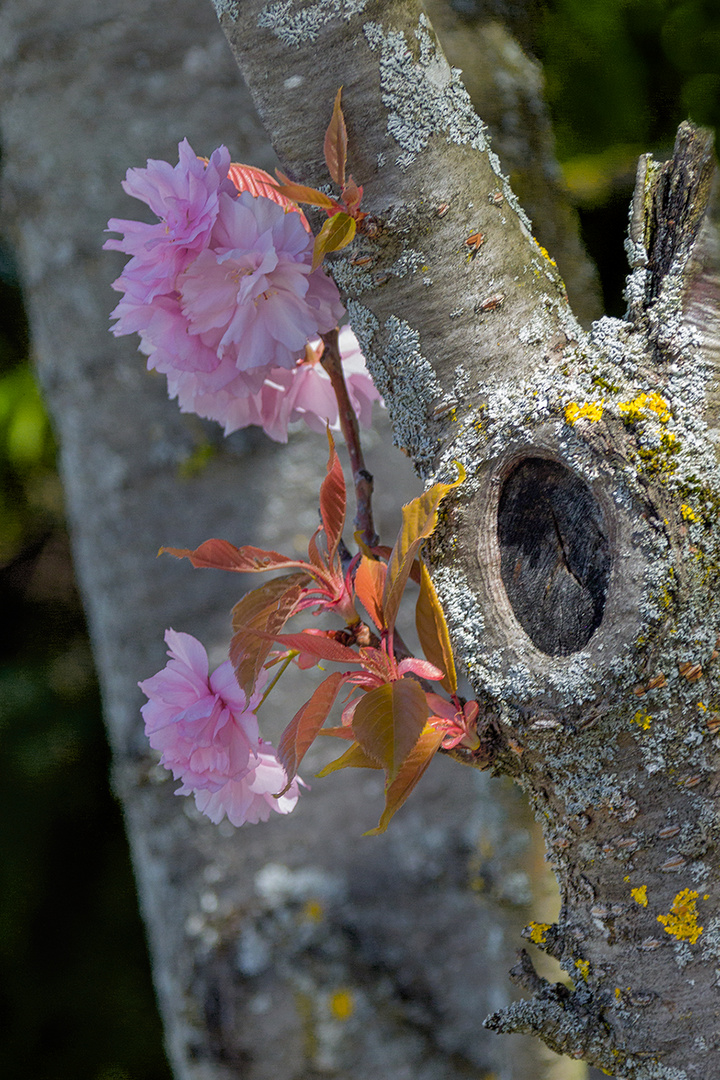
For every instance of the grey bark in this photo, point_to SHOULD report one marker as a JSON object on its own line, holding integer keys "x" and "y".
{"x": 578, "y": 568}
{"x": 506, "y": 88}
{"x": 251, "y": 933}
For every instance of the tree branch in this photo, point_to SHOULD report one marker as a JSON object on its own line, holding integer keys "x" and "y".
{"x": 362, "y": 479}
{"x": 480, "y": 359}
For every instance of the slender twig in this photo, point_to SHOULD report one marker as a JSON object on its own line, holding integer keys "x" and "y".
{"x": 362, "y": 479}
{"x": 286, "y": 661}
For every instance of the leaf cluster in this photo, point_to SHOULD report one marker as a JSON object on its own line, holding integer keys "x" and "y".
{"x": 392, "y": 718}
{"x": 344, "y": 214}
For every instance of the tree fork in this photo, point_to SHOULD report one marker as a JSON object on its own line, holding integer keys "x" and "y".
{"x": 578, "y": 565}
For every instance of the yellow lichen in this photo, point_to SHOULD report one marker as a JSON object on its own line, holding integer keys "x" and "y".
{"x": 687, "y": 512}
{"x": 681, "y": 919}
{"x": 618, "y": 992}
{"x": 342, "y": 1004}
{"x": 544, "y": 254}
{"x": 591, "y": 410}
{"x": 642, "y": 719}
{"x": 583, "y": 967}
{"x": 639, "y": 407}
{"x": 640, "y": 895}
{"x": 538, "y": 932}
{"x": 660, "y": 459}
{"x": 313, "y": 911}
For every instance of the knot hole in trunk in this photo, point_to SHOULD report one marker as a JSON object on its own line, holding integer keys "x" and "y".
{"x": 554, "y": 555}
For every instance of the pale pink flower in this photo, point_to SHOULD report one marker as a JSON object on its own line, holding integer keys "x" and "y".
{"x": 361, "y": 389}
{"x": 208, "y": 736}
{"x": 224, "y": 300}
{"x": 253, "y": 289}
{"x": 302, "y": 393}
{"x": 186, "y": 200}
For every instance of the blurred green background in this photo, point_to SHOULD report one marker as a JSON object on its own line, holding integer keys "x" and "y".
{"x": 75, "y": 993}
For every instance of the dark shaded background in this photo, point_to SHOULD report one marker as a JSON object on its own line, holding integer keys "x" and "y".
{"x": 75, "y": 993}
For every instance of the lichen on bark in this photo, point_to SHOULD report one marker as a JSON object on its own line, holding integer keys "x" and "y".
{"x": 611, "y": 738}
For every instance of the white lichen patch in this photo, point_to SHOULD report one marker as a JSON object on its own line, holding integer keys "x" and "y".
{"x": 404, "y": 377}
{"x": 351, "y": 280}
{"x": 365, "y": 325}
{"x": 227, "y": 7}
{"x": 278, "y": 885}
{"x": 295, "y": 26}
{"x": 424, "y": 96}
{"x": 408, "y": 263}
{"x": 463, "y": 615}
{"x": 410, "y": 388}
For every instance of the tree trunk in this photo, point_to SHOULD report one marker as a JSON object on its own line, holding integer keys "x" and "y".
{"x": 256, "y": 936}
{"x": 578, "y": 563}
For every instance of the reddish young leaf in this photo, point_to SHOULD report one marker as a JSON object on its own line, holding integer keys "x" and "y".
{"x": 258, "y": 182}
{"x": 410, "y": 772}
{"x": 377, "y": 662}
{"x": 306, "y": 723}
{"x": 337, "y": 232}
{"x": 433, "y": 632}
{"x": 333, "y": 501}
{"x": 335, "y": 145}
{"x": 325, "y": 648}
{"x": 352, "y": 195}
{"x": 369, "y": 584}
{"x": 382, "y": 551}
{"x": 222, "y": 555}
{"x": 353, "y": 758}
{"x": 388, "y": 720}
{"x": 314, "y": 555}
{"x": 266, "y": 608}
{"x": 422, "y": 668}
{"x": 301, "y": 193}
{"x": 419, "y": 519}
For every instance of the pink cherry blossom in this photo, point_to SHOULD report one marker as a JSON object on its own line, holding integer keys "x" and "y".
{"x": 208, "y": 736}
{"x": 253, "y": 289}
{"x": 186, "y": 199}
{"x": 302, "y": 393}
{"x": 229, "y": 271}
{"x": 224, "y": 300}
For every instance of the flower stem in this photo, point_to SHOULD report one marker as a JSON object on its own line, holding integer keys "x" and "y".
{"x": 362, "y": 479}
{"x": 288, "y": 659}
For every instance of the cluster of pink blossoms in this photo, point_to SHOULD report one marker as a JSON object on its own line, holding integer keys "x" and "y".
{"x": 208, "y": 736}
{"x": 223, "y": 296}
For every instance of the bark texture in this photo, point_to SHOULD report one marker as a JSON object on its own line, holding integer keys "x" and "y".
{"x": 592, "y": 491}
{"x": 284, "y": 950}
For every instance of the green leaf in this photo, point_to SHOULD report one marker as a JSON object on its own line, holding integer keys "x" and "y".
{"x": 388, "y": 720}
{"x": 419, "y": 519}
{"x": 333, "y": 501}
{"x": 353, "y": 758}
{"x": 433, "y": 632}
{"x": 300, "y": 733}
{"x": 335, "y": 145}
{"x": 266, "y": 608}
{"x": 337, "y": 232}
{"x": 415, "y": 764}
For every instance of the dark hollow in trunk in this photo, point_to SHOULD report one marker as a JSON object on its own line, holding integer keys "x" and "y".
{"x": 554, "y": 555}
